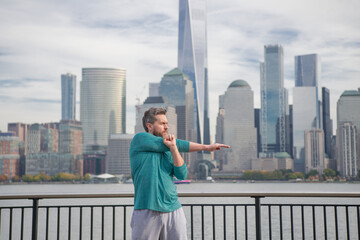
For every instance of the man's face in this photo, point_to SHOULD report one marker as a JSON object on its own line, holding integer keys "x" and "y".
{"x": 159, "y": 127}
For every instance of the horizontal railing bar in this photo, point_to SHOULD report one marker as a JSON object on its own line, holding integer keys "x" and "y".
{"x": 200, "y": 194}
{"x": 188, "y": 204}
{"x": 312, "y": 205}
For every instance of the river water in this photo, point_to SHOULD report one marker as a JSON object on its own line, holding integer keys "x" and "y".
{"x": 185, "y": 188}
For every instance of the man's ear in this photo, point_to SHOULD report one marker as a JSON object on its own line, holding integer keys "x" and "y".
{"x": 149, "y": 126}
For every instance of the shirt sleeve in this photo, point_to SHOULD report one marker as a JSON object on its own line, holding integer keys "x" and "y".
{"x": 182, "y": 145}
{"x": 181, "y": 172}
{"x": 146, "y": 142}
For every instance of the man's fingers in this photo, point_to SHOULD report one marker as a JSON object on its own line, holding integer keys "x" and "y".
{"x": 223, "y": 145}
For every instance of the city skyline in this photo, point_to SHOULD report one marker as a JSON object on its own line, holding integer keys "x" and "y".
{"x": 66, "y": 37}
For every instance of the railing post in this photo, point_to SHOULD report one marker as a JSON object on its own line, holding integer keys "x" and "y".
{"x": 35, "y": 218}
{"x": 258, "y": 217}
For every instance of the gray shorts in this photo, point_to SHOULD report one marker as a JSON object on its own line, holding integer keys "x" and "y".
{"x": 149, "y": 224}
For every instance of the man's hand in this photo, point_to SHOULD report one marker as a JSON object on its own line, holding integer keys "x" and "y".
{"x": 169, "y": 140}
{"x": 216, "y": 146}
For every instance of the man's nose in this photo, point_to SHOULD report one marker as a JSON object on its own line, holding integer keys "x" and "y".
{"x": 166, "y": 126}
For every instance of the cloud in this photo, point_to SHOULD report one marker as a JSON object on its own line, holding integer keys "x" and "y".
{"x": 283, "y": 36}
{"x": 16, "y": 83}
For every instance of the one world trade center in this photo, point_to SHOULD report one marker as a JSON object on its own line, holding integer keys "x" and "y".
{"x": 192, "y": 60}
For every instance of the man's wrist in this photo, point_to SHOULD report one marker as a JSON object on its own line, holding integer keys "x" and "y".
{"x": 206, "y": 147}
{"x": 174, "y": 147}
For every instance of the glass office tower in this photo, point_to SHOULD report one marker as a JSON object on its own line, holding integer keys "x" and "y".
{"x": 192, "y": 60}
{"x": 68, "y": 96}
{"x": 348, "y": 120}
{"x": 306, "y": 104}
{"x": 273, "y": 101}
{"x": 327, "y": 121}
{"x": 102, "y": 106}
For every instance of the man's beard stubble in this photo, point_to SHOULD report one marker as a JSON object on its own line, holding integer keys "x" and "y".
{"x": 158, "y": 134}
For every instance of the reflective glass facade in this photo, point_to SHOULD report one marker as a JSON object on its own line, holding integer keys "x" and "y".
{"x": 102, "y": 105}
{"x": 68, "y": 97}
{"x": 273, "y": 100}
{"x": 306, "y": 104}
{"x": 307, "y": 70}
{"x": 327, "y": 121}
{"x": 348, "y": 111}
{"x": 192, "y": 60}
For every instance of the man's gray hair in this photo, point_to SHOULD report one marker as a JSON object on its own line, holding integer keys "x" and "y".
{"x": 150, "y": 116}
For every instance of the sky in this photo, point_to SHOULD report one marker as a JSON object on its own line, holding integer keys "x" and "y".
{"x": 40, "y": 40}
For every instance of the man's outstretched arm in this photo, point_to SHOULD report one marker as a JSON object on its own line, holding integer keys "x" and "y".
{"x": 196, "y": 147}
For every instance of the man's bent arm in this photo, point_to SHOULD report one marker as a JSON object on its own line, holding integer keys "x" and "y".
{"x": 180, "y": 169}
{"x": 178, "y": 160}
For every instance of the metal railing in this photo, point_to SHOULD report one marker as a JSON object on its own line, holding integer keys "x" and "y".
{"x": 252, "y": 220}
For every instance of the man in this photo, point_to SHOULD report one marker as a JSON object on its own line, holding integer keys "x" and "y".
{"x": 154, "y": 161}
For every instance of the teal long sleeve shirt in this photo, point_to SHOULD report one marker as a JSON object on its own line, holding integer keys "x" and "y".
{"x": 152, "y": 171}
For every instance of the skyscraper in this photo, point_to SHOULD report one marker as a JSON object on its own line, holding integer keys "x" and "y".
{"x": 68, "y": 97}
{"x": 192, "y": 60}
{"x": 347, "y": 149}
{"x": 348, "y": 111}
{"x": 273, "y": 101}
{"x": 314, "y": 150}
{"x": 219, "y": 156}
{"x": 327, "y": 121}
{"x": 102, "y": 105}
{"x": 70, "y": 137}
{"x": 306, "y": 104}
{"x": 239, "y": 129}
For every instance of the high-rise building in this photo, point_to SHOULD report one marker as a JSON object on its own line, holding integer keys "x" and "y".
{"x": 289, "y": 131}
{"x": 239, "y": 130}
{"x": 348, "y": 110}
{"x": 273, "y": 101}
{"x": 118, "y": 159}
{"x": 42, "y": 138}
{"x": 306, "y": 104}
{"x": 327, "y": 121}
{"x": 70, "y": 137}
{"x": 257, "y": 126}
{"x": 21, "y": 131}
{"x": 314, "y": 150}
{"x": 192, "y": 60}
{"x": 102, "y": 106}
{"x": 219, "y": 156}
{"x": 68, "y": 96}
{"x": 9, "y": 155}
{"x": 347, "y": 149}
